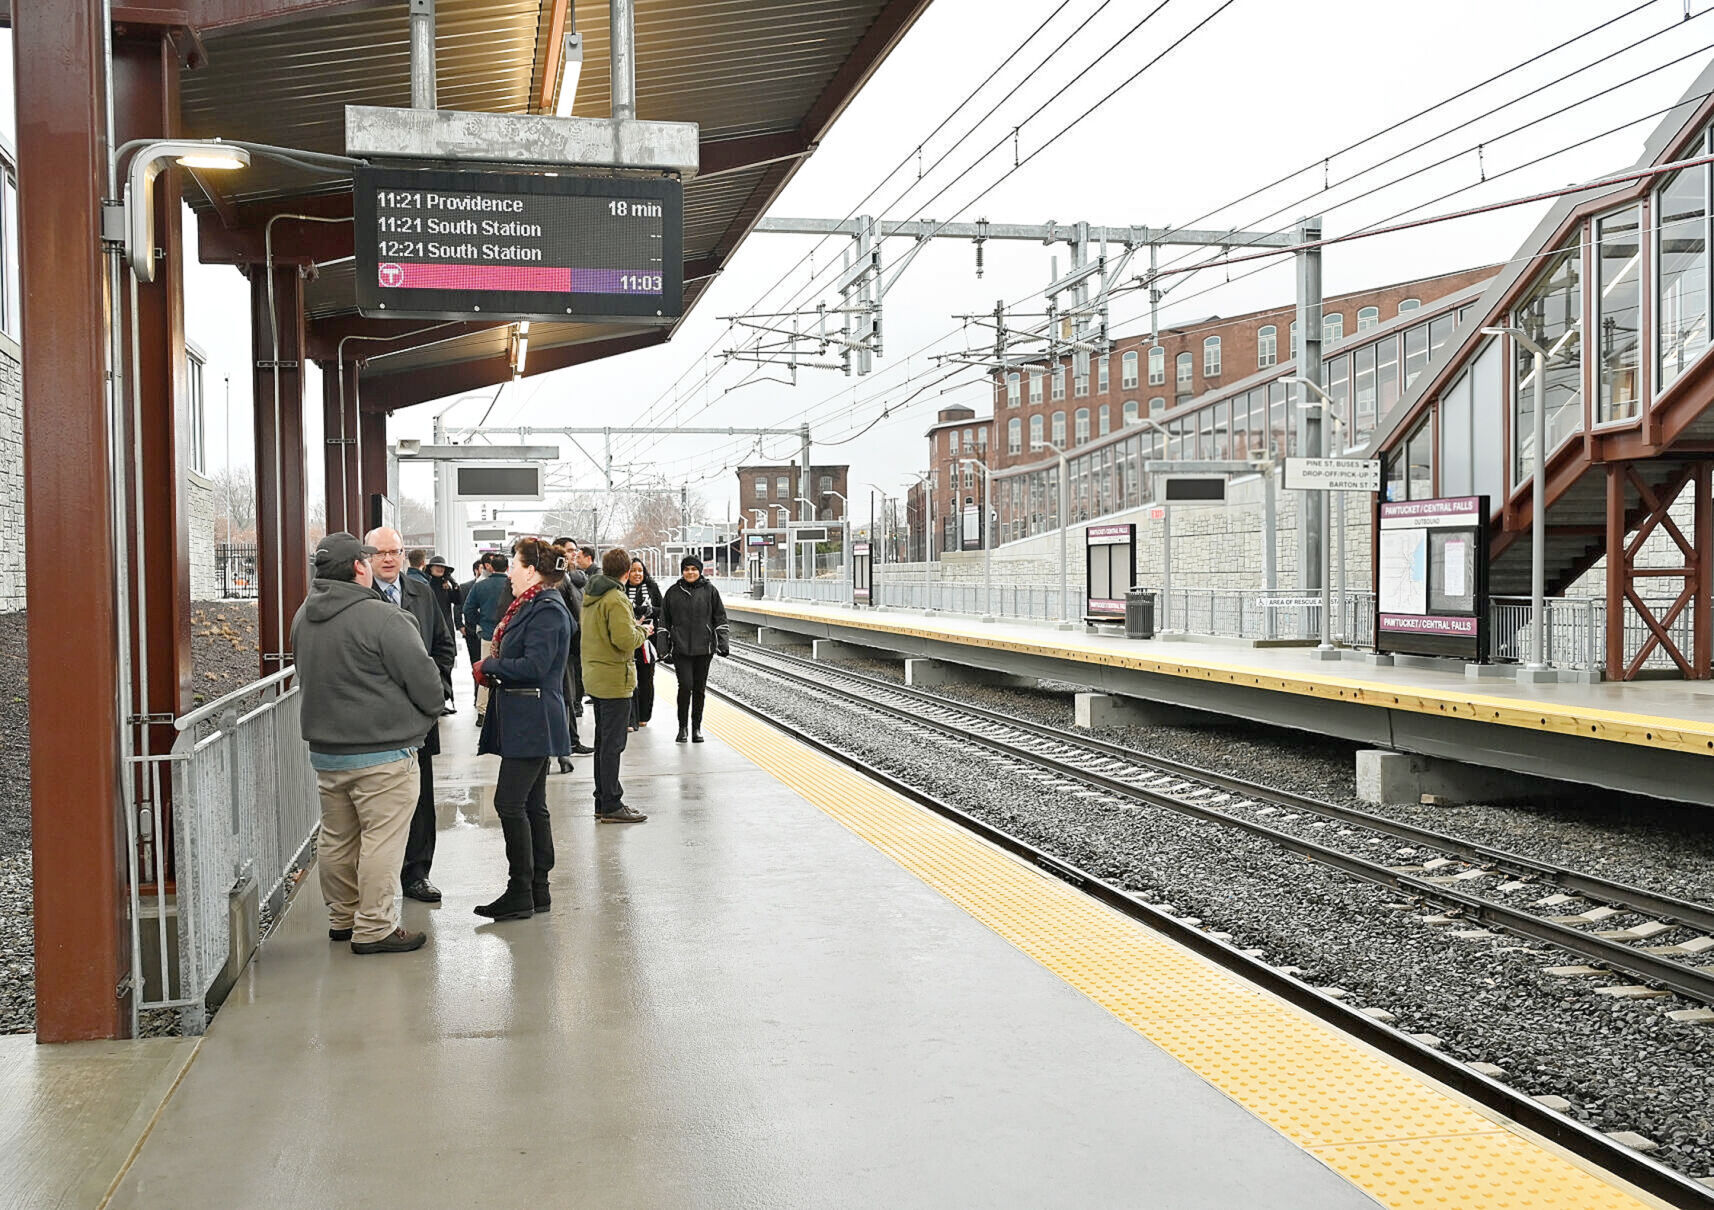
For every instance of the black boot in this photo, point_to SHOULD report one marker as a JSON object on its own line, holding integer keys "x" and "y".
{"x": 696, "y": 736}
{"x": 565, "y": 764}
{"x": 543, "y": 898}
{"x": 517, "y": 903}
{"x": 682, "y": 736}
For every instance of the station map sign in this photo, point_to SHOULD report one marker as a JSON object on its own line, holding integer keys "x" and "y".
{"x": 1110, "y": 570}
{"x": 1431, "y": 579}
{"x": 513, "y": 245}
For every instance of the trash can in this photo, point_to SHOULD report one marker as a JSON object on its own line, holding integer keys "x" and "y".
{"x": 759, "y": 590}
{"x": 1139, "y": 613}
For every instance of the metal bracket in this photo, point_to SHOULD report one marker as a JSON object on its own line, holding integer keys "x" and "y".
{"x": 113, "y": 224}
{"x": 276, "y": 365}
{"x": 341, "y": 441}
{"x": 149, "y": 720}
{"x": 123, "y": 988}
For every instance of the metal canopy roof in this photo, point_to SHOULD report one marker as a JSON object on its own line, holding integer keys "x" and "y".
{"x": 764, "y": 79}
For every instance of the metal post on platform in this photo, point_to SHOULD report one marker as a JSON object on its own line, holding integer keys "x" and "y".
{"x": 1537, "y": 666}
{"x": 423, "y": 89}
{"x": 623, "y": 58}
{"x": 987, "y": 611}
{"x": 1064, "y": 538}
{"x": 1323, "y": 402}
{"x": 1313, "y": 517}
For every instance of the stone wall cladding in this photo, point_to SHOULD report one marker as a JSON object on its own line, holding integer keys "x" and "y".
{"x": 199, "y": 491}
{"x": 11, "y": 479}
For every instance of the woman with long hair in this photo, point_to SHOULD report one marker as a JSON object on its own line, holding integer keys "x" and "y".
{"x": 645, "y": 598}
{"x": 525, "y": 724}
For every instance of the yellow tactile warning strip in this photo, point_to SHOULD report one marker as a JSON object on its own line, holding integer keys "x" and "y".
{"x": 1587, "y": 722}
{"x": 1407, "y": 1142}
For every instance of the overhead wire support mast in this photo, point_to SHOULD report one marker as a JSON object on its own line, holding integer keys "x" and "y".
{"x": 864, "y": 284}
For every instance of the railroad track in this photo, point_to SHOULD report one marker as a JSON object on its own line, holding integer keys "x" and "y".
{"x": 1107, "y": 768}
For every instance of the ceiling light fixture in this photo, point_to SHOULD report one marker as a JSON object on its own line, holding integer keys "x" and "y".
{"x": 208, "y": 154}
{"x": 570, "y": 68}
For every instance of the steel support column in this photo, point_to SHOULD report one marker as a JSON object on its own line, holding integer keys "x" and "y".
{"x": 82, "y": 952}
{"x": 1702, "y": 561}
{"x": 372, "y": 458}
{"x": 1618, "y": 570}
{"x": 342, "y": 472}
{"x": 277, "y": 386}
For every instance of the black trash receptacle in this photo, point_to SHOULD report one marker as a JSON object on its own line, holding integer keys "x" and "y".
{"x": 758, "y": 590}
{"x": 1139, "y": 613}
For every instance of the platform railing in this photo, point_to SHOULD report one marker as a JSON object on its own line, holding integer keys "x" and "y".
{"x": 244, "y": 809}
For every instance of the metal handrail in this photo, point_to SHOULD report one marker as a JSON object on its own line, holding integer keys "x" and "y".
{"x": 212, "y": 708}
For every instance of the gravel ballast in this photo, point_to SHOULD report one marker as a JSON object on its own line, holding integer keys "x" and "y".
{"x": 225, "y": 656}
{"x": 1623, "y": 1064}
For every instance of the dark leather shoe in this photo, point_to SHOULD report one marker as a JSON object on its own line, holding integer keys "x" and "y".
{"x": 516, "y": 904}
{"x": 339, "y": 934}
{"x": 582, "y": 750}
{"x": 696, "y": 737}
{"x": 449, "y": 708}
{"x": 565, "y": 765}
{"x": 396, "y": 942}
{"x": 422, "y": 890}
{"x": 622, "y": 815}
{"x": 542, "y": 896}
{"x": 683, "y": 736}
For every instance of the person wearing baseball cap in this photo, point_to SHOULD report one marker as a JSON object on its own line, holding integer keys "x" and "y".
{"x": 370, "y": 695}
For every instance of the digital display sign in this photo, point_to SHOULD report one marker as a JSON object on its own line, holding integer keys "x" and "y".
{"x": 463, "y": 245}
{"x": 487, "y": 481}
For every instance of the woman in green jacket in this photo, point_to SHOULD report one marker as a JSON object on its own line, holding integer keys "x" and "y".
{"x": 611, "y": 637}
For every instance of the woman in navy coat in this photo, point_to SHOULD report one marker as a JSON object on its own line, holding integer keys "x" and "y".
{"x": 525, "y": 723}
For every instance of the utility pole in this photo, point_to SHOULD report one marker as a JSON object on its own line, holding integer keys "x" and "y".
{"x": 803, "y": 476}
{"x": 1313, "y": 518}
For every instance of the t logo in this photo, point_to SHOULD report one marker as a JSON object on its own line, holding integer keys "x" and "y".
{"x": 392, "y": 276}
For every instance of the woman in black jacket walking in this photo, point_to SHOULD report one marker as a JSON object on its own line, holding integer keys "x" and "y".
{"x": 525, "y": 723}
{"x": 693, "y": 619}
{"x": 645, "y": 597}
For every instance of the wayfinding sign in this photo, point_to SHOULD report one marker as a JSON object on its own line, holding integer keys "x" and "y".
{"x": 1110, "y": 563}
{"x": 515, "y": 245}
{"x": 1333, "y": 474}
{"x": 1431, "y": 578}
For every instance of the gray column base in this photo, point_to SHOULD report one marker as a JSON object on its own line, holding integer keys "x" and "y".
{"x": 1537, "y": 676}
{"x": 925, "y": 673}
{"x": 1483, "y": 672}
{"x": 1387, "y": 777}
{"x": 1097, "y": 710}
{"x": 769, "y": 636}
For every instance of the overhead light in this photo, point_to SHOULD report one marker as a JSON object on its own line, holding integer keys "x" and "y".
{"x": 570, "y": 68}
{"x": 146, "y": 165}
{"x": 520, "y": 348}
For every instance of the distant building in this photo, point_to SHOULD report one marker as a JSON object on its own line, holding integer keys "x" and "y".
{"x": 772, "y": 487}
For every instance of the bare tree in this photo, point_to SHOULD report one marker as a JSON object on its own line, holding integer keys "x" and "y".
{"x": 416, "y": 520}
{"x": 235, "y": 505}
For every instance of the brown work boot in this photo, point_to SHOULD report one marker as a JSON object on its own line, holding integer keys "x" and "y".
{"x": 396, "y": 942}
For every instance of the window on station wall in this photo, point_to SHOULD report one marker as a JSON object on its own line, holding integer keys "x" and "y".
{"x": 1015, "y": 435}
{"x": 1175, "y": 441}
{"x": 1419, "y": 462}
{"x": 1333, "y": 327}
{"x": 1440, "y": 331}
{"x": 761, "y": 487}
{"x": 1282, "y": 432}
{"x": 1363, "y": 389}
{"x": 1457, "y": 438}
{"x": 1386, "y": 374}
{"x": 1014, "y": 390}
{"x": 1186, "y": 370}
{"x": 1080, "y": 433}
{"x": 1102, "y": 373}
{"x": 1409, "y": 304}
{"x": 1157, "y": 405}
{"x": 1128, "y": 372}
{"x": 1132, "y": 415}
{"x": 1394, "y": 485}
{"x": 1035, "y": 386}
{"x": 1552, "y": 316}
{"x": 1059, "y": 382}
{"x": 1339, "y": 390}
{"x": 1416, "y": 352}
{"x": 1035, "y": 432}
{"x": 1058, "y": 437}
{"x": 1267, "y": 346}
{"x": 195, "y": 418}
{"x": 1205, "y": 433}
{"x": 1211, "y": 357}
{"x": 1222, "y": 414}
{"x": 1618, "y": 315}
{"x": 10, "y": 302}
{"x": 1157, "y": 366}
{"x": 1682, "y": 232}
{"x": 1368, "y": 317}
{"x": 1104, "y": 420}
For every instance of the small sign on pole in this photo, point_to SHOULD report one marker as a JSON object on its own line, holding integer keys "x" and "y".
{"x": 1333, "y": 474}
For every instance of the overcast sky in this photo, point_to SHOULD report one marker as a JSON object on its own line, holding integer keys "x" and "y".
{"x": 1263, "y": 90}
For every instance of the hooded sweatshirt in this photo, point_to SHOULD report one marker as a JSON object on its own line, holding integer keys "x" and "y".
{"x": 368, "y": 684}
{"x": 610, "y": 637}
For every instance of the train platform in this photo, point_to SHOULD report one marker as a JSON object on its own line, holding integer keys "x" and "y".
{"x": 792, "y": 988}
{"x": 1649, "y": 737}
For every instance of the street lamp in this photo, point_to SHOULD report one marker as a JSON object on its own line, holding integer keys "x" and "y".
{"x": 927, "y": 530}
{"x": 987, "y": 552}
{"x": 1064, "y": 529}
{"x": 1330, "y": 410}
{"x": 1536, "y": 669}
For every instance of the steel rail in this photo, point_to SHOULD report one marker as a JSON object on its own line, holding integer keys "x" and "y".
{"x": 1687, "y": 980}
{"x": 1623, "y": 895}
{"x": 1584, "y": 1141}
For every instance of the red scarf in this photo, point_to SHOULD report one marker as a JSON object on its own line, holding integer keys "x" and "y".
{"x": 517, "y": 604}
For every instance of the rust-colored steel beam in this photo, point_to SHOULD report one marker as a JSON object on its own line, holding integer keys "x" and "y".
{"x": 237, "y": 237}
{"x": 719, "y": 156}
{"x": 381, "y": 335}
{"x": 1618, "y": 568}
{"x": 372, "y": 454}
{"x": 1702, "y": 564}
{"x": 389, "y": 392}
{"x": 82, "y": 949}
{"x": 224, "y": 14}
{"x": 341, "y": 467}
{"x": 281, "y": 545}
{"x": 556, "y": 51}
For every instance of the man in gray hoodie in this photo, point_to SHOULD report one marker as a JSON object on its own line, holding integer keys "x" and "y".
{"x": 370, "y": 695}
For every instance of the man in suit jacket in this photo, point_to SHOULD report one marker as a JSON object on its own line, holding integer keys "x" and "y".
{"x": 418, "y": 599}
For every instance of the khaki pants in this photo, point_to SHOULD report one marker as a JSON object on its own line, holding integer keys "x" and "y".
{"x": 482, "y": 690}
{"x": 365, "y": 821}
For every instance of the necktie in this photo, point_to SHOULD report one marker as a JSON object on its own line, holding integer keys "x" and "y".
{"x": 393, "y": 593}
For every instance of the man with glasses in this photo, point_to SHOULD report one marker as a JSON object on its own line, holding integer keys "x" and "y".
{"x": 370, "y": 692}
{"x": 417, "y": 598}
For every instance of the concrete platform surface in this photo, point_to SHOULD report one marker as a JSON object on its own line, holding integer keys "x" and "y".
{"x": 738, "y": 1003}
{"x": 71, "y": 1115}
